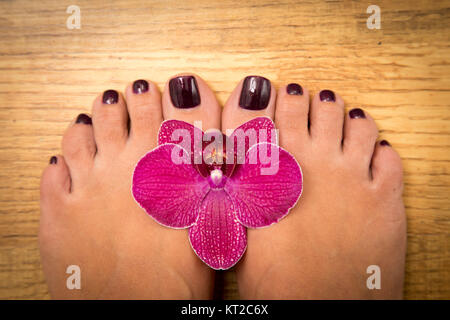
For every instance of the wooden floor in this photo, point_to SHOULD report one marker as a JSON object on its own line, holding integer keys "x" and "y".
{"x": 399, "y": 73}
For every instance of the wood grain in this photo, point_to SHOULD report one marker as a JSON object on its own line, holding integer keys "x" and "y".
{"x": 400, "y": 74}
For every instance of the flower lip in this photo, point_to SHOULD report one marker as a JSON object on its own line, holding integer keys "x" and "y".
{"x": 216, "y": 158}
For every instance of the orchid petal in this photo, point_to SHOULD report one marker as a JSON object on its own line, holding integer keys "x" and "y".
{"x": 257, "y": 130}
{"x": 168, "y": 134}
{"x": 170, "y": 193}
{"x": 263, "y": 194}
{"x": 217, "y": 237}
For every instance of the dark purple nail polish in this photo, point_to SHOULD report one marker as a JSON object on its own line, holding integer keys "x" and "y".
{"x": 327, "y": 96}
{"x": 83, "y": 118}
{"x": 295, "y": 89}
{"x": 110, "y": 97}
{"x": 184, "y": 92}
{"x": 53, "y": 160}
{"x": 357, "y": 114}
{"x": 385, "y": 143}
{"x": 140, "y": 86}
{"x": 255, "y": 94}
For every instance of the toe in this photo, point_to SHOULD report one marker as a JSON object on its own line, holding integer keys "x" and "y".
{"x": 187, "y": 97}
{"x": 55, "y": 181}
{"x": 253, "y": 97}
{"x": 110, "y": 118}
{"x": 360, "y": 135}
{"x": 144, "y": 107}
{"x": 291, "y": 116}
{"x": 326, "y": 119}
{"x": 79, "y": 148}
{"x": 387, "y": 171}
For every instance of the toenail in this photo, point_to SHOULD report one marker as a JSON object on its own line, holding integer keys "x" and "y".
{"x": 385, "y": 143}
{"x": 184, "y": 92}
{"x": 294, "y": 89}
{"x": 255, "y": 94}
{"x": 357, "y": 114}
{"x": 140, "y": 86}
{"x": 327, "y": 96}
{"x": 53, "y": 160}
{"x": 110, "y": 97}
{"x": 83, "y": 118}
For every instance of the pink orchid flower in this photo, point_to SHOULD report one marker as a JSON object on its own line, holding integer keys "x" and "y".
{"x": 215, "y": 199}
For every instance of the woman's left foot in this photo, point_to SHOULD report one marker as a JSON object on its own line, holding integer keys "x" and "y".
{"x": 88, "y": 215}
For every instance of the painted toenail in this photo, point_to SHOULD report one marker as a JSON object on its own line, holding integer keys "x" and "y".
{"x": 385, "y": 143}
{"x": 83, "y": 118}
{"x": 110, "y": 97}
{"x": 184, "y": 92}
{"x": 357, "y": 114}
{"x": 255, "y": 94}
{"x": 294, "y": 89}
{"x": 140, "y": 86}
{"x": 327, "y": 96}
{"x": 53, "y": 160}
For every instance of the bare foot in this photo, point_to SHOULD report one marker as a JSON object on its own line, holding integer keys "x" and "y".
{"x": 88, "y": 215}
{"x": 350, "y": 215}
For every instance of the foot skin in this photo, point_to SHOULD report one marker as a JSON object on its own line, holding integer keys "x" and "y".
{"x": 349, "y": 217}
{"x": 88, "y": 215}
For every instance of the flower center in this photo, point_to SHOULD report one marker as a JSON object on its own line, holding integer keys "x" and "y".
{"x": 215, "y": 158}
{"x": 216, "y": 179}
{"x": 216, "y": 176}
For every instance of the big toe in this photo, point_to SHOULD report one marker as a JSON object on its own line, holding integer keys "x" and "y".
{"x": 253, "y": 97}
{"x": 187, "y": 97}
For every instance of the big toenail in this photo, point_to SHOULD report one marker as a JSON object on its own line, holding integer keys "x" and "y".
{"x": 357, "y": 114}
{"x": 110, "y": 97}
{"x": 385, "y": 143}
{"x": 294, "y": 89}
{"x": 327, "y": 96}
{"x": 184, "y": 92}
{"x": 83, "y": 118}
{"x": 53, "y": 160}
{"x": 140, "y": 86}
{"x": 255, "y": 93}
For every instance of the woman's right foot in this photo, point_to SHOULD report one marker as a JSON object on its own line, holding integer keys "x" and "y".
{"x": 350, "y": 215}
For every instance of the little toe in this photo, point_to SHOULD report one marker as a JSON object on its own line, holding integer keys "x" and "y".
{"x": 360, "y": 135}
{"x": 110, "y": 118}
{"x": 144, "y": 107}
{"x": 253, "y": 97}
{"x": 187, "y": 97}
{"x": 387, "y": 170}
{"x": 55, "y": 181}
{"x": 291, "y": 116}
{"x": 79, "y": 148}
{"x": 327, "y": 119}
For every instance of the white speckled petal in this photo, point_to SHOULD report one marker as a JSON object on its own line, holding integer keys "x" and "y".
{"x": 170, "y": 193}
{"x": 262, "y": 199}
{"x": 259, "y": 125}
{"x": 168, "y": 127}
{"x": 217, "y": 237}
